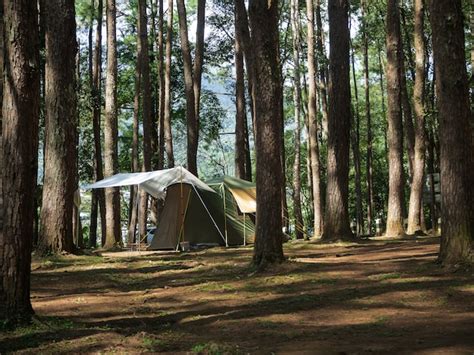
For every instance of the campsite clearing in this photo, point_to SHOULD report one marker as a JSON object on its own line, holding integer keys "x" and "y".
{"x": 374, "y": 296}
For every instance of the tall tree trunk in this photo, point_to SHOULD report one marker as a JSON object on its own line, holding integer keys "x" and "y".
{"x": 192, "y": 124}
{"x": 416, "y": 193}
{"x": 395, "y": 127}
{"x": 161, "y": 87}
{"x": 198, "y": 60}
{"x": 240, "y": 109}
{"x": 355, "y": 143}
{"x": 382, "y": 94}
{"x": 457, "y": 160}
{"x": 313, "y": 124}
{"x": 132, "y": 226}
{"x": 2, "y": 53}
{"x": 76, "y": 218}
{"x": 336, "y": 223}
{"x": 264, "y": 24}
{"x": 146, "y": 108}
{"x": 112, "y": 195}
{"x": 242, "y": 26}
{"x": 98, "y": 197}
{"x": 167, "y": 92}
{"x": 408, "y": 127}
{"x": 322, "y": 69}
{"x": 295, "y": 25}
{"x": 20, "y": 144}
{"x": 60, "y": 128}
{"x": 368, "y": 117}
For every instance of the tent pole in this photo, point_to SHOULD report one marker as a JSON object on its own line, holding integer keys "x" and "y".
{"x": 225, "y": 215}
{"x": 209, "y": 213}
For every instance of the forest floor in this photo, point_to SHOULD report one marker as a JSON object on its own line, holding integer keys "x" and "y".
{"x": 373, "y": 296}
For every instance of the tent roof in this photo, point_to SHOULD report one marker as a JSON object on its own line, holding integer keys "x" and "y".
{"x": 153, "y": 182}
{"x": 244, "y": 192}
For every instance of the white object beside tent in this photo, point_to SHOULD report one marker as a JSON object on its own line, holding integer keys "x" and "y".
{"x": 153, "y": 182}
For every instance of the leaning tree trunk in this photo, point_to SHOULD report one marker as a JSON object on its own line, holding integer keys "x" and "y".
{"x": 145, "y": 89}
{"x": 415, "y": 210}
{"x": 264, "y": 24}
{"x": 112, "y": 195}
{"x": 298, "y": 216}
{"x": 60, "y": 128}
{"x": 313, "y": 124}
{"x": 20, "y": 145}
{"x": 394, "y": 117}
{"x": 192, "y": 124}
{"x": 336, "y": 223}
{"x": 457, "y": 159}
{"x": 167, "y": 92}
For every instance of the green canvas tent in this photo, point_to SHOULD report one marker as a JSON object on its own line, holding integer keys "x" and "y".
{"x": 194, "y": 215}
{"x": 192, "y": 212}
{"x": 239, "y": 202}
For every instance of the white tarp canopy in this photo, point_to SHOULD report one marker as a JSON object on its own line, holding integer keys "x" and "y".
{"x": 153, "y": 182}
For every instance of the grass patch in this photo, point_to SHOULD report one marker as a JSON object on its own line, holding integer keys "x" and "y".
{"x": 268, "y": 324}
{"x": 213, "y": 348}
{"x": 383, "y": 277}
{"x": 213, "y": 287}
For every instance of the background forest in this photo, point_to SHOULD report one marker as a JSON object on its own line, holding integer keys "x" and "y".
{"x": 353, "y": 118}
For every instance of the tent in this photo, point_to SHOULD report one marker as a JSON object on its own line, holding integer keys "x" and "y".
{"x": 192, "y": 211}
{"x": 239, "y": 202}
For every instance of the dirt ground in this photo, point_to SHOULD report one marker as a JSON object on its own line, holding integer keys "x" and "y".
{"x": 369, "y": 297}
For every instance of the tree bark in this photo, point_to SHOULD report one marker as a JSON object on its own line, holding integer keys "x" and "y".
{"x": 395, "y": 128}
{"x": 132, "y": 226}
{"x": 313, "y": 124}
{"x": 167, "y": 94}
{"x": 2, "y": 53}
{"x": 415, "y": 210}
{"x": 264, "y": 25}
{"x": 192, "y": 124}
{"x": 457, "y": 160}
{"x": 368, "y": 117}
{"x": 240, "y": 109}
{"x": 60, "y": 128}
{"x": 161, "y": 87}
{"x": 408, "y": 127}
{"x": 198, "y": 60}
{"x": 20, "y": 144}
{"x": 336, "y": 223}
{"x": 295, "y": 26}
{"x": 146, "y": 107}
{"x": 355, "y": 143}
{"x": 382, "y": 93}
{"x": 98, "y": 197}
{"x": 242, "y": 27}
{"x": 321, "y": 62}
{"x": 112, "y": 195}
